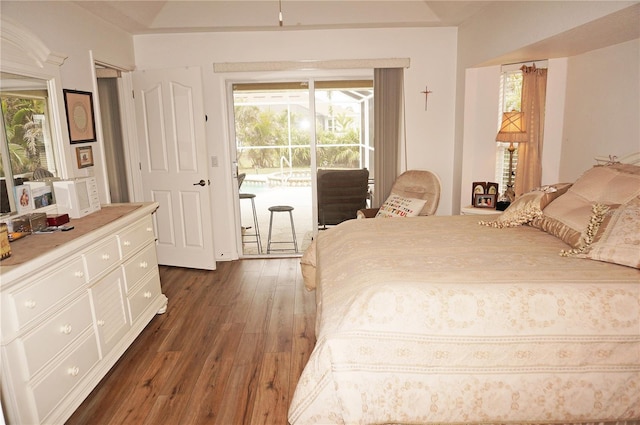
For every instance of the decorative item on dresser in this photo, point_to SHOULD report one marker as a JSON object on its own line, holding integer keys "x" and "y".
{"x": 72, "y": 303}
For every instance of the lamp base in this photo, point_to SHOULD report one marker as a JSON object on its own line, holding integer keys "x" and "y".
{"x": 510, "y": 194}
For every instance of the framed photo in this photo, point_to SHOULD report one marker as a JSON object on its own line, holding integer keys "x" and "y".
{"x": 24, "y": 200}
{"x": 80, "y": 118}
{"x": 42, "y": 195}
{"x": 84, "y": 155}
{"x": 477, "y": 189}
{"x": 492, "y": 188}
{"x": 484, "y": 200}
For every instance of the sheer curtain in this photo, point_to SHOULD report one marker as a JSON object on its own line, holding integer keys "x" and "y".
{"x": 534, "y": 91}
{"x": 388, "y": 84}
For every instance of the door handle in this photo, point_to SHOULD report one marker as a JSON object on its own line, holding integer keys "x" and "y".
{"x": 200, "y": 183}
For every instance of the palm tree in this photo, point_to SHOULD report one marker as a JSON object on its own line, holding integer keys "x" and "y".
{"x": 24, "y": 134}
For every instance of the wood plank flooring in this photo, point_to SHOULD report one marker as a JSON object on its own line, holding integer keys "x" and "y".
{"x": 229, "y": 350}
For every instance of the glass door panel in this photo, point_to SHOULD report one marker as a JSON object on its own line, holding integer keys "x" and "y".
{"x": 272, "y": 128}
{"x": 344, "y": 126}
{"x": 344, "y": 123}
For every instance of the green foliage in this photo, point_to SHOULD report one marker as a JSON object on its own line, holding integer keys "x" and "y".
{"x": 24, "y": 134}
{"x": 263, "y": 127}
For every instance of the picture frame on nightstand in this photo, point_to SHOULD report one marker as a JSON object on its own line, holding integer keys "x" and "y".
{"x": 478, "y": 188}
{"x": 484, "y": 200}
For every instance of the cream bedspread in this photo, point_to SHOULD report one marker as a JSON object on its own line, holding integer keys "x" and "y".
{"x": 441, "y": 320}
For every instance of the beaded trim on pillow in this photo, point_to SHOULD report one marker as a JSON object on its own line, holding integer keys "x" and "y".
{"x": 599, "y": 212}
{"x": 521, "y": 216}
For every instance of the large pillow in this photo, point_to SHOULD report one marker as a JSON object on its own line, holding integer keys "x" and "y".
{"x": 528, "y": 206}
{"x": 613, "y": 235}
{"x": 567, "y": 216}
{"x": 399, "y": 206}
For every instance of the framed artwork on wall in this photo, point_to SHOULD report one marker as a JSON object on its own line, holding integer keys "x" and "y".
{"x": 84, "y": 155}
{"x": 80, "y": 117}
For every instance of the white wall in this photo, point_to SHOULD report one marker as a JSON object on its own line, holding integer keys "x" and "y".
{"x": 429, "y": 133}
{"x": 498, "y": 30}
{"x": 589, "y": 96}
{"x": 71, "y": 31}
{"x": 602, "y": 114}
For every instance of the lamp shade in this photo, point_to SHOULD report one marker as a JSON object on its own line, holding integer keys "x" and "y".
{"x": 512, "y": 128}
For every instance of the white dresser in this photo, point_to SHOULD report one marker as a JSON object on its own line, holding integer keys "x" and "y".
{"x": 71, "y": 304}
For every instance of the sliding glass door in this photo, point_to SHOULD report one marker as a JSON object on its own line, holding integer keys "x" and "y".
{"x": 278, "y": 146}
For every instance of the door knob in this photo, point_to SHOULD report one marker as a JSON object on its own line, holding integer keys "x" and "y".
{"x": 201, "y": 183}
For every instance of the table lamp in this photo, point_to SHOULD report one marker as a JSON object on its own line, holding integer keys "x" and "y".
{"x": 511, "y": 131}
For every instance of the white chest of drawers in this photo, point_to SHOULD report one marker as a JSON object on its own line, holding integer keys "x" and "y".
{"x": 71, "y": 306}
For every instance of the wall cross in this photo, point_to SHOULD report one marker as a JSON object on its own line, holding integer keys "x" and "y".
{"x": 426, "y": 93}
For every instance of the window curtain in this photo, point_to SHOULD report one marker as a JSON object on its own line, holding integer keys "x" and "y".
{"x": 113, "y": 143}
{"x": 388, "y": 92}
{"x": 529, "y": 168}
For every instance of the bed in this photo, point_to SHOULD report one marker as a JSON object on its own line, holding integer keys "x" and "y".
{"x": 528, "y": 318}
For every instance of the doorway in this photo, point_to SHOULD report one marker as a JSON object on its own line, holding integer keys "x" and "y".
{"x": 283, "y": 132}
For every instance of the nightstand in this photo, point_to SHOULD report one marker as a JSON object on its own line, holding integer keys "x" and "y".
{"x": 471, "y": 210}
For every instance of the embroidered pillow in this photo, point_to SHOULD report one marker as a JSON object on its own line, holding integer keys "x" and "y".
{"x": 528, "y": 206}
{"x": 568, "y": 216}
{"x": 399, "y": 206}
{"x": 613, "y": 235}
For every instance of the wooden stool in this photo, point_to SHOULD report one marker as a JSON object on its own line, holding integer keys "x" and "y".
{"x": 256, "y": 233}
{"x": 281, "y": 208}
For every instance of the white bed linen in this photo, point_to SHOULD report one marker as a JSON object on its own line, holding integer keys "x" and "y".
{"x": 441, "y": 320}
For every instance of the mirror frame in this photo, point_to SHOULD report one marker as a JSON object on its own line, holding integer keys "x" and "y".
{"x": 22, "y": 53}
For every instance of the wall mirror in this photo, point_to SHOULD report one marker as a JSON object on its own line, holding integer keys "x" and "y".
{"x": 27, "y": 152}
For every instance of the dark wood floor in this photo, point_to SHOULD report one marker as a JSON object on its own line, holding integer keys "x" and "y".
{"x": 229, "y": 350}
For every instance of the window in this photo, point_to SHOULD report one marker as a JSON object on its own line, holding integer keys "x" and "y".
{"x": 510, "y": 100}
{"x": 26, "y": 152}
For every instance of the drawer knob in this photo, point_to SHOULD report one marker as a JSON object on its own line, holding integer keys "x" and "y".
{"x": 147, "y": 294}
{"x": 105, "y": 257}
{"x": 144, "y": 265}
{"x": 100, "y": 322}
{"x": 73, "y": 371}
{"x": 30, "y": 304}
{"x": 126, "y": 243}
{"x": 66, "y": 329}
{"x": 79, "y": 274}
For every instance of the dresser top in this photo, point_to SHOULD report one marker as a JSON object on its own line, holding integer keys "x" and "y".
{"x": 36, "y": 246}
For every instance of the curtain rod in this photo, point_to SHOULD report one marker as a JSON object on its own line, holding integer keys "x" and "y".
{"x": 536, "y": 62}
{"x": 311, "y": 65}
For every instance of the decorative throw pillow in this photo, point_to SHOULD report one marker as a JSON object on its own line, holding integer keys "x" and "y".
{"x": 613, "y": 236}
{"x": 527, "y": 207}
{"x": 568, "y": 216}
{"x": 399, "y": 206}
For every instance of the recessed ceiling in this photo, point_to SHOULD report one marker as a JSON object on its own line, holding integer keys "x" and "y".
{"x": 174, "y": 16}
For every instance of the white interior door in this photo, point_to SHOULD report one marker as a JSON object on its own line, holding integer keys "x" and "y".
{"x": 173, "y": 160}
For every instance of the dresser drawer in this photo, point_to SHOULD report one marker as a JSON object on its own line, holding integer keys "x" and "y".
{"x": 64, "y": 375}
{"x": 46, "y": 290}
{"x": 102, "y": 257}
{"x": 144, "y": 295}
{"x": 56, "y": 333}
{"x": 136, "y": 268}
{"x": 136, "y": 236}
{"x": 110, "y": 310}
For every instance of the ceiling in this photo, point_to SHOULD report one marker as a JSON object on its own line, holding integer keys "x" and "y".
{"x": 155, "y": 16}
{"x": 187, "y": 16}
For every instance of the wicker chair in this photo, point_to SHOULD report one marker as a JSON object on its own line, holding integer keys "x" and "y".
{"x": 419, "y": 184}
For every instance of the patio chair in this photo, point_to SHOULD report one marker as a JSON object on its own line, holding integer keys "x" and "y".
{"x": 341, "y": 193}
